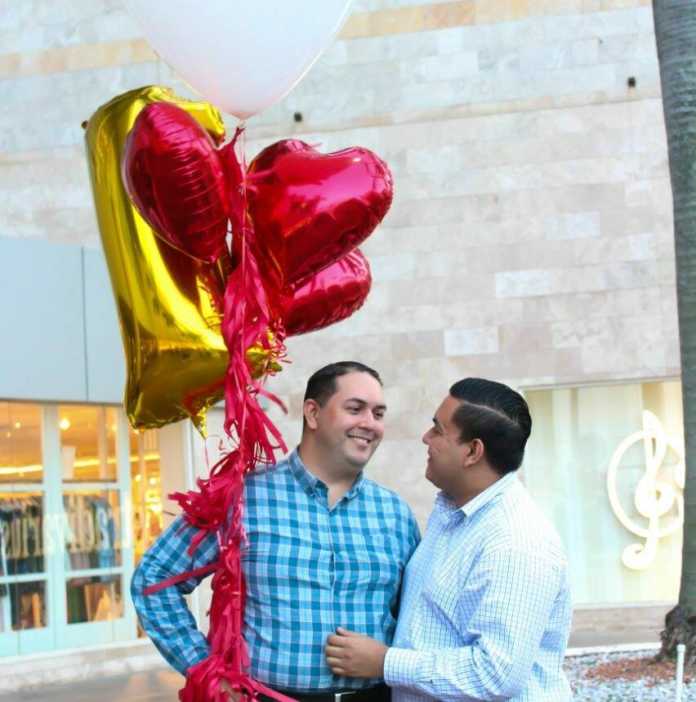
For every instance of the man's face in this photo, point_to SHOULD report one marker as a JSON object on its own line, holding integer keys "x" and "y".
{"x": 350, "y": 425}
{"x": 446, "y": 455}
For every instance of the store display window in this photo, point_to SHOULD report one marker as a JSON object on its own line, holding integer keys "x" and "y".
{"x": 146, "y": 490}
{"x": 88, "y": 443}
{"x": 95, "y": 599}
{"x": 80, "y": 497}
{"x": 92, "y": 529}
{"x": 22, "y": 606}
{"x": 20, "y": 443}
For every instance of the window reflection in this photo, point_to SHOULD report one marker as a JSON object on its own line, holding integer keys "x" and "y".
{"x": 95, "y": 599}
{"x": 22, "y": 606}
{"x": 92, "y": 529}
{"x": 21, "y": 533}
{"x": 88, "y": 442}
{"x": 20, "y": 443}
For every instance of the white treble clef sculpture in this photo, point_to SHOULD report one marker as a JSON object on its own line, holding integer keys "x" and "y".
{"x": 654, "y": 497}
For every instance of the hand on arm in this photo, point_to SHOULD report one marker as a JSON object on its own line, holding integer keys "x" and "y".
{"x": 355, "y": 655}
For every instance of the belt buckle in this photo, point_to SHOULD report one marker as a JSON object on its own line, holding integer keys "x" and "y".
{"x": 338, "y": 696}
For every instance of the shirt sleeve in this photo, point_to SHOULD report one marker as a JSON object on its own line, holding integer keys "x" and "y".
{"x": 411, "y": 539}
{"x": 414, "y": 535}
{"x": 514, "y": 593}
{"x": 164, "y": 615}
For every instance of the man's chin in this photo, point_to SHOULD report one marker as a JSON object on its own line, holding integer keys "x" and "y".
{"x": 429, "y": 476}
{"x": 359, "y": 459}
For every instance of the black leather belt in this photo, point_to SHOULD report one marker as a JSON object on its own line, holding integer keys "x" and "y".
{"x": 379, "y": 693}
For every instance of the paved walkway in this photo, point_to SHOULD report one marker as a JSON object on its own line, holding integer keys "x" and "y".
{"x": 163, "y": 684}
{"x": 151, "y": 686}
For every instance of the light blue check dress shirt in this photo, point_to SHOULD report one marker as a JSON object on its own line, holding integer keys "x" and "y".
{"x": 485, "y": 610}
{"x": 309, "y": 568}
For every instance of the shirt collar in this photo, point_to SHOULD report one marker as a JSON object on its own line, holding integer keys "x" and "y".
{"x": 482, "y": 499}
{"x": 313, "y": 485}
{"x": 452, "y": 514}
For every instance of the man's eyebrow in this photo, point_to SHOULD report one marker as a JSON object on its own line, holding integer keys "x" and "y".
{"x": 364, "y": 403}
{"x": 356, "y": 399}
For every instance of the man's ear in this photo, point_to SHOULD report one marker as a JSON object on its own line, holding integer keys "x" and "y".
{"x": 310, "y": 410}
{"x": 475, "y": 452}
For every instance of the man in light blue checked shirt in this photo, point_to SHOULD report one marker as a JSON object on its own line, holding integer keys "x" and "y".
{"x": 327, "y": 548}
{"x": 485, "y": 611}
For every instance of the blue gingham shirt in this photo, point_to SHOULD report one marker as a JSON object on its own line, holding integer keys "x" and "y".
{"x": 309, "y": 568}
{"x": 485, "y": 610}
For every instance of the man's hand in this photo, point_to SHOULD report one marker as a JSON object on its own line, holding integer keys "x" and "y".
{"x": 354, "y": 655}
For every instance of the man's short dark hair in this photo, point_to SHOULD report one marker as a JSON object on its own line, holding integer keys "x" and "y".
{"x": 322, "y": 384}
{"x": 495, "y": 414}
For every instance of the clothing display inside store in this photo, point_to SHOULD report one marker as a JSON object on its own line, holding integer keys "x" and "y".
{"x": 22, "y": 605}
{"x": 92, "y": 527}
{"x": 21, "y": 534}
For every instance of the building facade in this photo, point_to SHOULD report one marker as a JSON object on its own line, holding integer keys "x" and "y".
{"x": 530, "y": 241}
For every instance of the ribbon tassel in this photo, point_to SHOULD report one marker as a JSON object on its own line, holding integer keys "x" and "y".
{"x": 218, "y": 504}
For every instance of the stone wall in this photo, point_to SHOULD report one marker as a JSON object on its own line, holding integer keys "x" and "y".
{"x": 530, "y": 238}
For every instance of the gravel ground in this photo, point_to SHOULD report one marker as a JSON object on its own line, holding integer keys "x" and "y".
{"x": 625, "y": 677}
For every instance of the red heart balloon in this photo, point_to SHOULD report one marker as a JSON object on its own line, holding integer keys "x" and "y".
{"x": 175, "y": 177}
{"x": 310, "y": 209}
{"x": 329, "y": 296}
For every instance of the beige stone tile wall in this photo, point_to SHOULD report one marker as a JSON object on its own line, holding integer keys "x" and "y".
{"x": 530, "y": 238}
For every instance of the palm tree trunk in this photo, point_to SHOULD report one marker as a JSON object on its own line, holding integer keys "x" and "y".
{"x": 675, "y": 31}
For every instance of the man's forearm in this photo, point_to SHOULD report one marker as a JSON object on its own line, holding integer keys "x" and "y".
{"x": 451, "y": 674}
{"x": 164, "y": 615}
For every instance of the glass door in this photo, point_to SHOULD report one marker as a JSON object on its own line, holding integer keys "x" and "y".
{"x": 95, "y": 506}
{"x": 26, "y": 615}
{"x": 66, "y": 525}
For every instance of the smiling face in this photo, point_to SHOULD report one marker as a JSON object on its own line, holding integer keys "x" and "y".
{"x": 348, "y": 428}
{"x": 447, "y": 456}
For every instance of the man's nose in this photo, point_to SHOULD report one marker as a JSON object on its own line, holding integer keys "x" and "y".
{"x": 369, "y": 421}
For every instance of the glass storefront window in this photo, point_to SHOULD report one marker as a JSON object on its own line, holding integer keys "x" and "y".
{"x": 88, "y": 442}
{"x": 93, "y": 529}
{"x": 20, "y": 443}
{"x": 21, "y": 533}
{"x": 66, "y": 555}
{"x": 146, "y": 490}
{"x": 95, "y": 599}
{"x": 606, "y": 464}
{"x": 22, "y": 606}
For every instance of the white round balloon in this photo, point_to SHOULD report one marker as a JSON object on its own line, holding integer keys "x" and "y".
{"x": 241, "y": 55}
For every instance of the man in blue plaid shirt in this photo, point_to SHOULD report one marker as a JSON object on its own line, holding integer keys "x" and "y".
{"x": 485, "y": 611}
{"x": 326, "y": 549}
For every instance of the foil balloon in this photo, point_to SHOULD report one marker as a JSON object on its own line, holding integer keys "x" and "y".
{"x": 329, "y": 296}
{"x": 175, "y": 176}
{"x": 169, "y": 304}
{"x": 310, "y": 209}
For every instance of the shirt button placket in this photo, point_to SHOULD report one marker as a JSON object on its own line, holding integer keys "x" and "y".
{"x": 331, "y": 517}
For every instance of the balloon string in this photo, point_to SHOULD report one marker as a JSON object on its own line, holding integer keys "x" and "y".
{"x": 218, "y": 505}
{"x": 240, "y": 147}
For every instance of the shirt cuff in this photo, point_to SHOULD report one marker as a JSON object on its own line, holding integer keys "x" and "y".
{"x": 404, "y": 667}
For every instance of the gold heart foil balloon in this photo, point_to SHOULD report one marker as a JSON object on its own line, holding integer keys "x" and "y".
{"x": 169, "y": 304}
